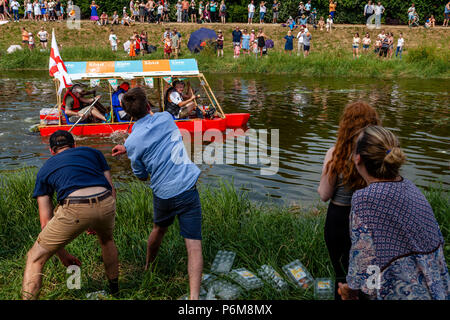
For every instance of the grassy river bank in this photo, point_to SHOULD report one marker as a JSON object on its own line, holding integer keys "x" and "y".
{"x": 258, "y": 233}
{"x": 426, "y": 53}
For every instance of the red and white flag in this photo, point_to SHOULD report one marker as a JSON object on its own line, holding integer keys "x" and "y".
{"x": 57, "y": 68}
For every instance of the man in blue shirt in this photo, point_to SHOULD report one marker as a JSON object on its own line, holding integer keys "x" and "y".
{"x": 237, "y": 37}
{"x": 155, "y": 147}
{"x": 82, "y": 180}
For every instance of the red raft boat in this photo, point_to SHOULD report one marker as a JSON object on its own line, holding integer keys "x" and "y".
{"x": 157, "y": 75}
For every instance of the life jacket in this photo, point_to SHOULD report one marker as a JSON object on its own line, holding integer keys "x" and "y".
{"x": 115, "y": 97}
{"x": 169, "y": 106}
{"x": 76, "y": 102}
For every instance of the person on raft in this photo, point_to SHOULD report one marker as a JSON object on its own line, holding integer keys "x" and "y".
{"x": 178, "y": 104}
{"x": 116, "y": 100}
{"x": 75, "y": 106}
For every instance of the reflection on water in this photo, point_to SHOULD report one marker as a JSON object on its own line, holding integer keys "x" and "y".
{"x": 306, "y": 111}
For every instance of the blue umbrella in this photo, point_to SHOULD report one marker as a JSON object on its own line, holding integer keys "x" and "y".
{"x": 199, "y": 38}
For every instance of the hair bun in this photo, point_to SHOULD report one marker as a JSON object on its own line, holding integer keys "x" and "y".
{"x": 395, "y": 157}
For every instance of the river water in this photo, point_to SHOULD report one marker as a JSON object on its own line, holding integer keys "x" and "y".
{"x": 306, "y": 111}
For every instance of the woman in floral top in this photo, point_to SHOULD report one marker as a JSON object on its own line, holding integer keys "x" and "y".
{"x": 397, "y": 246}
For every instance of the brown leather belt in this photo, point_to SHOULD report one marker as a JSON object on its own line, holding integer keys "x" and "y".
{"x": 89, "y": 199}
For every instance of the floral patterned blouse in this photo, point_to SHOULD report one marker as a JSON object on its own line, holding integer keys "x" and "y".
{"x": 413, "y": 276}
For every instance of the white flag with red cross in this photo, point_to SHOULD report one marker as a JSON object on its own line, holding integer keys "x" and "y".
{"x": 57, "y": 68}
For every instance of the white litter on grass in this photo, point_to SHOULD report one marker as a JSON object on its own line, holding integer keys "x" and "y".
{"x": 323, "y": 289}
{"x": 225, "y": 290}
{"x": 297, "y": 272}
{"x": 223, "y": 261}
{"x": 13, "y": 48}
{"x": 269, "y": 274}
{"x": 246, "y": 279}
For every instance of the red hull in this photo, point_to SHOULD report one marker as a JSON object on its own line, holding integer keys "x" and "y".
{"x": 232, "y": 120}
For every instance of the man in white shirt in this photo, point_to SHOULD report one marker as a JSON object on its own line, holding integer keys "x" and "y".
{"x": 251, "y": 12}
{"x": 178, "y": 104}
{"x": 379, "y": 10}
{"x": 43, "y": 38}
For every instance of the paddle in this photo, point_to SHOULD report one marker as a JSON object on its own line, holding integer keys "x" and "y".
{"x": 84, "y": 113}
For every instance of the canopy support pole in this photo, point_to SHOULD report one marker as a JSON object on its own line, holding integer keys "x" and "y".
{"x": 207, "y": 87}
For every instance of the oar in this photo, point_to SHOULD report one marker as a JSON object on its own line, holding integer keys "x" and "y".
{"x": 84, "y": 113}
{"x": 131, "y": 120}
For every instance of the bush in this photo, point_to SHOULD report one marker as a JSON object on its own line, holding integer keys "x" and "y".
{"x": 347, "y": 11}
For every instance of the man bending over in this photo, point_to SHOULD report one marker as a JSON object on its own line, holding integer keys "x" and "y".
{"x": 82, "y": 180}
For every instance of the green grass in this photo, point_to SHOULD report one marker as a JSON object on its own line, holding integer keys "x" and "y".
{"x": 421, "y": 62}
{"x": 258, "y": 233}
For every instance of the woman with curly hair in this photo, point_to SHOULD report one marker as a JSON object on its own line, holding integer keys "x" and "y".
{"x": 338, "y": 182}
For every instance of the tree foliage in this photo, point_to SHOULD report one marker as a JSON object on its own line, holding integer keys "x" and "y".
{"x": 347, "y": 11}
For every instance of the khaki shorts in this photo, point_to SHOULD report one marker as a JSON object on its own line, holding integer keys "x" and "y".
{"x": 70, "y": 220}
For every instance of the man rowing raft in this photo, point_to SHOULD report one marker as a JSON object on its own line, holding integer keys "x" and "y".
{"x": 178, "y": 104}
{"x": 75, "y": 106}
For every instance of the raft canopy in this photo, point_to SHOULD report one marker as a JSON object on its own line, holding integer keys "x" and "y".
{"x": 132, "y": 69}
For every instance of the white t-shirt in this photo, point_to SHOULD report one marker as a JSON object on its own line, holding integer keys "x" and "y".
{"x": 381, "y": 36}
{"x": 30, "y": 40}
{"x": 43, "y": 35}
{"x": 29, "y": 7}
{"x": 251, "y": 7}
{"x": 160, "y": 9}
{"x": 300, "y": 37}
{"x": 400, "y": 42}
{"x": 262, "y": 9}
{"x": 113, "y": 39}
{"x": 366, "y": 41}
{"x": 378, "y": 9}
{"x": 329, "y": 21}
{"x": 15, "y": 5}
{"x": 356, "y": 41}
{"x": 175, "y": 97}
{"x": 411, "y": 11}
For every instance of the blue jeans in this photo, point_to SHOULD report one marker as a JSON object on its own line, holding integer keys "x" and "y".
{"x": 399, "y": 51}
{"x": 261, "y": 15}
{"x": 378, "y": 20}
{"x": 16, "y": 15}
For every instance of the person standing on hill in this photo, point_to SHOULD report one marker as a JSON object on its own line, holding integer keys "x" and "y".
{"x": 251, "y": 12}
{"x": 446, "y": 14}
{"x": 43, "y": 38}
{"x": 173, "y": 179}
{"x": 411, "y": 14}
{"x": 86, "y": 196}
{"x": 333, "y": 5}
{"x": 262, "y": 11}
{"x": 338, "y": 181}
{"x": 275, "y": 9}
{"x": 15, "y": 9}
{"x": 368, "y": 9}
{"x": 379, "y": 10}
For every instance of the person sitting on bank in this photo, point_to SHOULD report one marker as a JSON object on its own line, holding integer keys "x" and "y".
{"x": 82, "y": 180}
{"x": 178, "y": 104}
{"x": 75, "y": 106}
{"x": 116, "y": 100}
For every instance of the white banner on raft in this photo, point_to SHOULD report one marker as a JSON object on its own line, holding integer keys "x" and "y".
{"x": 94, "y": 83}
{"x": 149, "y": 82}
{"x": 113, "y": 83}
